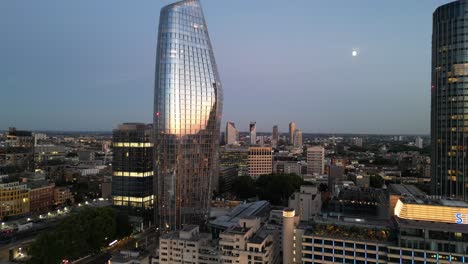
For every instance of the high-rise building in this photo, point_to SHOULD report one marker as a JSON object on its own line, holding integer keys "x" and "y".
{"x": 315, "y": 160}
{"x": 187, "y": 116}
{"x": 132, "y": 165}
{"x": 275, "y": 136}
{"x": 357, "y": 141}
{"x": 234, "y": 157}
{"x": 449, "y": 132}
{"x": 419, "y": 142}
{"x": 292, "y": 128}
{"x": 297, "y": 138}
{"x": 335, "y": 176}
{"x": 232, "y": 134}
{"x": 260, "y": 161}
{"x": 253, "y": 133}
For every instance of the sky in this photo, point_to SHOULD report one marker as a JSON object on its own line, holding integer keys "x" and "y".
{"x": 89, "y": 65}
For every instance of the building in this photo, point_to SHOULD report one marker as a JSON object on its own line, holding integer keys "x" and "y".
{"x": 315, "y": 160}
{"x": 260, "y": 161}
{"x": 357, "y": 141}
{"x": 250, "y": 242}
{"x": 132, "y": 176}
{"x": 227, "y": 176}
{"x": 448, "y": 131}
{"x": 292, "y": 128}
{"x": 287, "y": 167}
{"x": 360, "y": 180}
{"x": 418, "y": 142}
{"x": 232, "y": 134}
{"x": 63, "y": 195}
{"x": 253, "y": 133}
{"x": 188, "y": 246}
{"x": 19, "y": 150}
{"x": 187, "y": 116}
{"x": 42, "y": 196}
{"x": 297, "y": 138}
{"x": 259, "y": 209}
{"x": 307, "y": 202}
{"x": 335, "y": 176}
{"x": 14, "y": 198}
{"x": 235, "y": 157}
{"x": 275, "y": 136}
{"x": 423, "y": 231}
{"x": 44, "y": 153}
{"x": 397, "y": 191}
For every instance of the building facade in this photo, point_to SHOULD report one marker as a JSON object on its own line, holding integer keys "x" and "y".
{"x": 449, "y": 108}
{"x": 132, "y": 165}
{"x": 231, "y": 134}
{"x": 14, "y": 199}
{"x": 315, "y": 160}
{"x": 297, "y": 138}
{"x": 292, "y": 128}
{"x": 275, "y": 136}
{"x": 187, "y": 115}
{"x": 253, "y": 133}
{"x": 260, "y": 161}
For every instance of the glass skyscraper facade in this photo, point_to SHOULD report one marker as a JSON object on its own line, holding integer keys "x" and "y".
{"x": 449, "y": 100}
{"x": 132, "y": 165}
{"x": 187, "y": 115}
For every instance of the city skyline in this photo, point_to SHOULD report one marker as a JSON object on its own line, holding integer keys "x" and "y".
{"x": 108, "y": 65}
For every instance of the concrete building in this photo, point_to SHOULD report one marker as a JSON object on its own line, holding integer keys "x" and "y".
{"x": 231, "y": 134}
{"x": 19, "y": 150}
{"x": 307, "y": 203}
{"x": 250, "y": 242}
{"x": 260, "y": 161}
{"x": 188, "y": 246}
{"x": 287, "y": 167}
{"x": 335, "y": 176}
{"x": 275, "y": 136}
{"x": 292, "y": 128}
{"x": 253, "y": 133}
{"x": 297, "y": 138}
{"x": 357, "y": 141}
{"x": 419, "y": 142}
{"x": 360, "y": 180}
{"x": 315, "y": 160}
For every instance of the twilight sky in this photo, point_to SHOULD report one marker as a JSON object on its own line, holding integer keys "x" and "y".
{"x": 89, "y": 65}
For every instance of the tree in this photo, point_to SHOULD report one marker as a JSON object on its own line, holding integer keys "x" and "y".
{"x": 244, "y": 187}
{"x": 277, "y": 188}
{"x": 376, "y": 181}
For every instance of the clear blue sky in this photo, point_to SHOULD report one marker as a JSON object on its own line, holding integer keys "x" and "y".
{"x": 89, "y": 65}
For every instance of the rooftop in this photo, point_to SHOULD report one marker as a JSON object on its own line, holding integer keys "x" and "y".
{"x": 245, "y": 210}
{"x": 405, "y": 189}
{"x": 427, "y": 200}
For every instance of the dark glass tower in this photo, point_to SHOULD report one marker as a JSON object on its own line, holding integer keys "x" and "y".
{"x": 187, "y": 115}
{"x": 449, "y": 100}
{"x": 132, "y": 165}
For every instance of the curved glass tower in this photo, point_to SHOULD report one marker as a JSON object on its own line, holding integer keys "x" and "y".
{"x": 187, "y": 115}
{"x": 449, "y": 100}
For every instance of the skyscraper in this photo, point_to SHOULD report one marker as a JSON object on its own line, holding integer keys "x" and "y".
{"x": 292, "y": 128}
{"x": 275, "y": 136}
{"x": 253, "y": 133}
{"x": 232, "y": 135}
{"x": 449, "y": 130}
{"x": 132, "y": 165}
{"x": 187, "y": 115}
{"x": 297, "y": 138}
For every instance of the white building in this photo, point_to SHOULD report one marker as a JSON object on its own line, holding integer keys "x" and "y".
{"x": 307, "y": 202}
{"x": 187, "y": 246}
{"x": 418, "y": 142}
{"x": 250, "y": 242}
{"x": 315, "y": 160}
{"x": 297, "y": 138}
{"x": 253, "y": 133}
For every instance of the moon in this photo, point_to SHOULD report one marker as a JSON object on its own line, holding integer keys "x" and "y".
{"x": 354, "y": 53}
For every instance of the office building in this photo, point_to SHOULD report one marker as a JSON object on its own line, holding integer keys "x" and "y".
{"x": 253, "y": 133}
{"x": 423, "y": 231}
{"x": 132, "y": 177}
{"x": 260, "y": 161}
{"x": 188, "y": 246}
{"x": 297, "y": 138}
{"x": 231, "y": 134}
{"x": 250, "y": 241}
{"x": 63, "y": 196}
{"x": 315, "y": 160}
{"x": 275, "y": 136}
{"x": 335, "y": 176}
{"x": 235, "y": 157}
{"x": 287, "y": 167}
{"x": 357, "y": 141}
{"x": 41, "y": 196}
{"x": 187, "y": 116}
{"x": 292, "y": 128}
{"x": 448, "y": 109}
